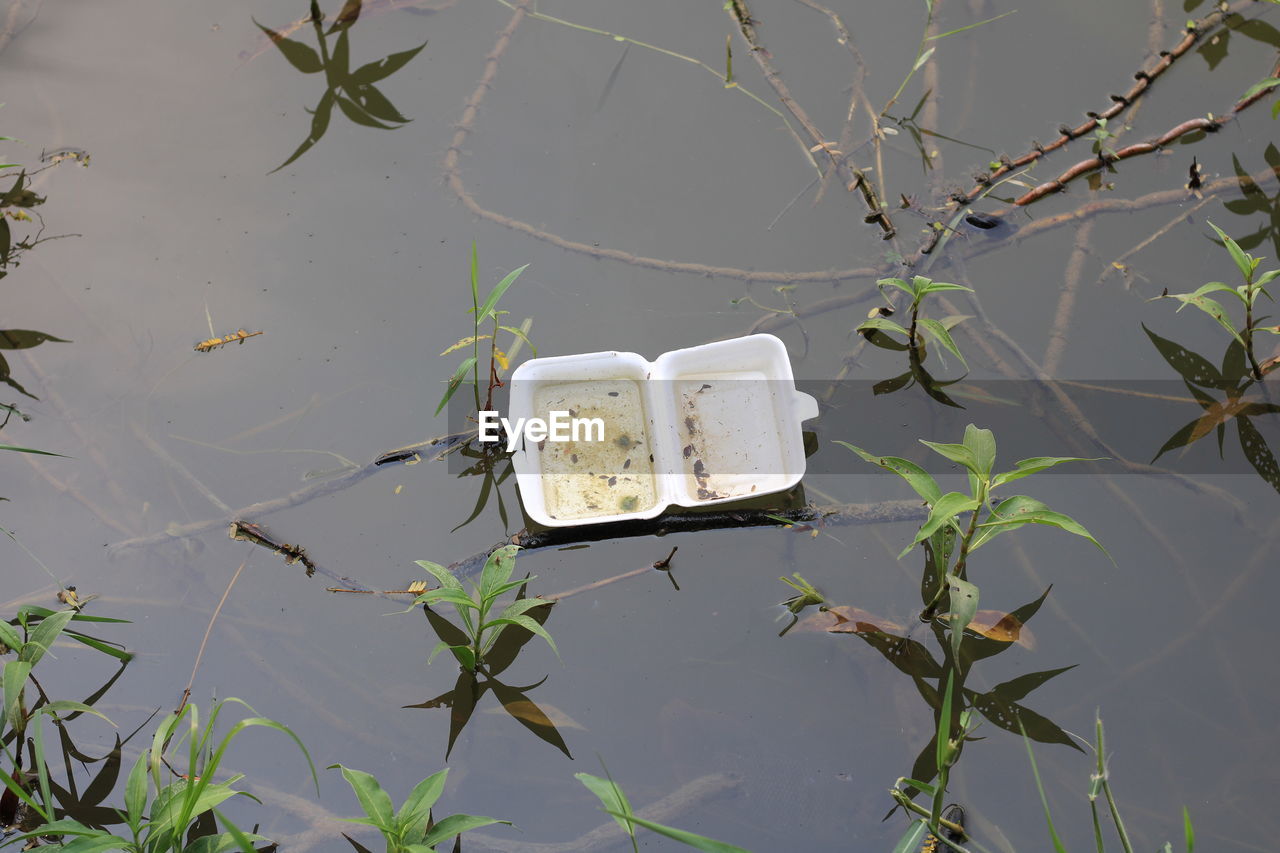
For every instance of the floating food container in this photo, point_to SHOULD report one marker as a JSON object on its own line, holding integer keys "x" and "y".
{"x": 630, "y": 437}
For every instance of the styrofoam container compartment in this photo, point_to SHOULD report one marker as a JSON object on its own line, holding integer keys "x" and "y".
{"x": 698, "y": 426}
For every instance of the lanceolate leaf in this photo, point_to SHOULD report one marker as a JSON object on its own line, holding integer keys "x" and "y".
{"x": 882, "y": 324}
{"x": 964, "y": 604}
{"x": 918, "y": 478}
{"x": 956, "y": 453}
{"x": 1025, "y": 515}
{"x": 943, "y": 511}
{"x": 456, "y": 380}
{"x": 1242, "y": 261}
{"x": 1213, "y": 309}
{"x": 939, "y": 333}
{"x": 486, "y": 310}
{"x": 1034, "y": 465}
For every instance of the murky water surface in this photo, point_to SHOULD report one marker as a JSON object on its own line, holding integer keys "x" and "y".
{"x": 657, "y": 209}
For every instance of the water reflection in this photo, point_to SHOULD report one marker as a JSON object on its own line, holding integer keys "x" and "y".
{"x": 353, "y": 92}
{"x": 471, "y": 686}
{"x": 1233, "y": 380}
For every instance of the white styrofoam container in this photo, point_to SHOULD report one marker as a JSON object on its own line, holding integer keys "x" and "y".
{"x": 698, "y": 426}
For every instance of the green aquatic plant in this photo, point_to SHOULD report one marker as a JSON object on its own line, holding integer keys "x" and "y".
{"x": 940, "y": 330}
{"x": 987, "y": 519}
{"x": 616, "y": 804}
{"x": 1100, "y": 786}
{"x": 1248, "y": 293}
{"x": 473, "y": 609}
{"x": 498, "y": 360}
{"x": 164, "y": 810}
{"x": 411, "y": 829}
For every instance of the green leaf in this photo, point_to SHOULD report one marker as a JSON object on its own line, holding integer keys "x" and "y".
{"x": 1044, "y": 800}
{"x": 457, "y": 824}
{"x": 964, "y": 604}
{"x": 456, "y": 380}
{"x": 1026, "y": 514}
{"x": 417, "y": 806}
{"x": 956, "y": 453}
{"x": 1189, "y": 831}
{"x": 942, "y": 336}
{"x": 297, "y": 54}
{"x": 1212, "y": 308}
{"x": 43, "y": 636}
{"x": 1034, "y": 465}
{"x": 971, "y": 26}
{"x": 375, "y": 801}
{"x": 384, "y": 68}
{"x": 31, "y": 450}
{"x": 99, "y": 645}
{"x": 497, "y": 570}
{"x": 922, "y": 59}
{"x": 135, "y": 793}
{"x": 486, "y": 310}
{"x": 942, "y": 512}
{"x": 611, "y": 796}
{"x": 940, "y": 286}
{"x": 914, "y": 836}
{"x": 447, "y": 579}
{"x": 1215, "y": 287}
{"x": 689, "y": 839}
{"x": 520, "y": 333}
{"x": 982, "y": 444}
{"x": 919, "y": 479}
{"x": 9, "y": 636}
{"x": 1259, "y": 87}
{"x": 518, "y": 608}
{"x": 531, "y": 626}
{"x": 1243, "y": 262}
{"x": 13, "y": 679}
{"x": 882, "y": 324}
{"x": 895, "y": 282}
{"x": 457, "y": 598}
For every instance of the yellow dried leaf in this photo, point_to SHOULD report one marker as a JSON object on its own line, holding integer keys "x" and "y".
{"x": 417, "y": 586}
{"x": 500, "y": 357}
{"x": 466, "y": 342}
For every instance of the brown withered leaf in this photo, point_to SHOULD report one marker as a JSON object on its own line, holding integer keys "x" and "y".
{"x": 846, "y": 619}
{"x": 999, "y": 626}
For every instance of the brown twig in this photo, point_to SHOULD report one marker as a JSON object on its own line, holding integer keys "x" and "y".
{"x": 1067, "y": 299}
{"x": 186, "y": 694}
{"x": 854, "y": 179}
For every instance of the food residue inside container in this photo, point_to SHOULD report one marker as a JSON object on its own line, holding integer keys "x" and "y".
{"x": 586, "y": 478}
{"x": 726, "y": 451}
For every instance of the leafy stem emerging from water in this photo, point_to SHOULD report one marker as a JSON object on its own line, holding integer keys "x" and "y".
{"x": 1248, "y": 293}
{"x": 917, "y": 289}
{"x": 987, "y": 517}
{"x": 474, "y": 608}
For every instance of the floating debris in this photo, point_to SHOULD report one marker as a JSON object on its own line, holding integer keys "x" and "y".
{"x": 238, "y": 336}
{"x": 248, "y": 532}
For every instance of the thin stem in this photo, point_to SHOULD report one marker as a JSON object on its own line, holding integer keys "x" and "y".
{"x": 1250, "y": 294}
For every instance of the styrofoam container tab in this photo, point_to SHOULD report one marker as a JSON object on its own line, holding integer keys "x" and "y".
{"x": 699, "y": 426}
